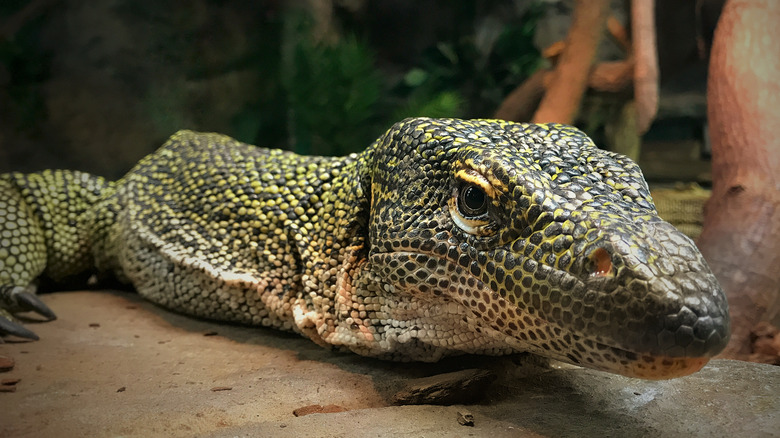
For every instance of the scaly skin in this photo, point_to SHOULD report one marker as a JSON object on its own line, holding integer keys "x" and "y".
{"x": 443, "y": 237}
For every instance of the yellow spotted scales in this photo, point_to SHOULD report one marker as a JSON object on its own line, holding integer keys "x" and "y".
{"x": 443, "y": 237}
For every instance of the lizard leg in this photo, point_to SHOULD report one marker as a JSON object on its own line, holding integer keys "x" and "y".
{"x": 22, "y": 260}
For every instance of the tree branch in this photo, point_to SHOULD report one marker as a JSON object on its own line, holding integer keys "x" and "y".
{"x": 646, "y": 68}
{"x": 562, "y": 101}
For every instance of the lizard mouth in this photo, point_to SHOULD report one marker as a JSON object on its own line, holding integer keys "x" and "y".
{"x": 532, "y": 332}
{"x": 664, "y": 367}
{"x": 599, "y": 355}
{"x": 643, "y": 366}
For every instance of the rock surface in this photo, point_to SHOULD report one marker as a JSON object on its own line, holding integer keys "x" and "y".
{"x": 114, "y": 365}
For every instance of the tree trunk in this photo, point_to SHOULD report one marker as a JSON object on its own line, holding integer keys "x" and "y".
{"x": 646, "y": 67}
{"x": 564, "y": 95}
{"x": 741, "y": 236}
{"x": 520, "y": 104}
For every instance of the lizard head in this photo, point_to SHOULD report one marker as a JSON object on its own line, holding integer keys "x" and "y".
{"x": 525, "y": 237}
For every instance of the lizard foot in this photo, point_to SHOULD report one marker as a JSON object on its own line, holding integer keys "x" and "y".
{"x": 17, "y": 299}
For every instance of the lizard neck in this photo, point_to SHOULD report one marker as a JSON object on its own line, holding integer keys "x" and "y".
{"x": 334, "y": 248}
{"x": 347, "y": 303}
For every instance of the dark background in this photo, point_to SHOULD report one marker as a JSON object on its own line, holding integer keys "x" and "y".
{"x": 95, "y": 85}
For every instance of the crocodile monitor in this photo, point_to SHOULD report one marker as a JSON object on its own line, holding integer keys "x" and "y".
{"x": 444, "y": 237}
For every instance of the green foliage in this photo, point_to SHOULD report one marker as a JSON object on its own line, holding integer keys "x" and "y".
{"x": 331, "y": 99}
{"x": 440, "y": 105}
{"x": 332, "y": 91}
{"x": 479, "y": 71}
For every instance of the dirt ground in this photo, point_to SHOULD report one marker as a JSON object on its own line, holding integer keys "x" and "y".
{"x": 115, "y": 365}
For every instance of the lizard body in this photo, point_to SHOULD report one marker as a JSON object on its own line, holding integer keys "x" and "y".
{"x": 443, "y": 237}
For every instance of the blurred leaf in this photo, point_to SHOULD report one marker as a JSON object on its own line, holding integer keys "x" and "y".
{"x": 415, "y": 77}
{"x": 446, "y": 104}
{"x": 448, "y": 50}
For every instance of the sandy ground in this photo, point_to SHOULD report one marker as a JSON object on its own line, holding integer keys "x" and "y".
{"x": 115, "y": 365}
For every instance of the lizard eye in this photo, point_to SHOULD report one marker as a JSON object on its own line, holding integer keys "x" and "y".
{"x": 472, "y": 201}
{"x": 469, "y": 204}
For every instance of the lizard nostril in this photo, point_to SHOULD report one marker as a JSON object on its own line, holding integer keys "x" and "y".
{"x": 600, "y": 263}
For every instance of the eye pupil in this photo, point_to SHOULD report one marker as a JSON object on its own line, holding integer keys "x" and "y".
{"x": 473, "y": 201}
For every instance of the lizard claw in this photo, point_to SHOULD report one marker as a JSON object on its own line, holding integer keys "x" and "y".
{"x": 9, "y": 327}
{"x": 16, "y": 299}
{"x": 30, "y": 302}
